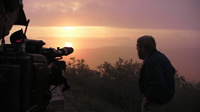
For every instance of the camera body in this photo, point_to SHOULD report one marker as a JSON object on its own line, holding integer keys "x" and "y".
{"x": 27, "y": 70}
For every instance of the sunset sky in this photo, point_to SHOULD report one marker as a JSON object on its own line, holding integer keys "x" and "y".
{"x": 98, "y": 23}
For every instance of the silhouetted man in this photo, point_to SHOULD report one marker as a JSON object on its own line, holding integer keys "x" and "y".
{"x": 156, "y": 76}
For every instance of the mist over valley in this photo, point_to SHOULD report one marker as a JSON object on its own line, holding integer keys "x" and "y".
{"x": 185, "y": 60}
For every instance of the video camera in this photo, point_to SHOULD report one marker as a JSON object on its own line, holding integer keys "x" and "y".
{"x": 27, "y": 70}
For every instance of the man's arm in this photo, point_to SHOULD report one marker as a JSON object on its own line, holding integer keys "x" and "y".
{"x": 155, "y": 80}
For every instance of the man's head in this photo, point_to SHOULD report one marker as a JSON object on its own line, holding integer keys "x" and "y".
{"x": 145, "y": 45}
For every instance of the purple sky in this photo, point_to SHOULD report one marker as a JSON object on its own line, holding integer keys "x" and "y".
{"x": 173, "y": 23}
{"x": 148, "y": 14}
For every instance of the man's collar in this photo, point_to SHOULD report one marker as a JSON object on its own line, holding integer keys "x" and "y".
{"x": 144, "y": 62}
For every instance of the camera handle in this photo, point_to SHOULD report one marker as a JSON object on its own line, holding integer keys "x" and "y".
{"x": 4, "y": 29}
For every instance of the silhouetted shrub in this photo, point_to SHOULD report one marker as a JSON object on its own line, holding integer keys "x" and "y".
{"x": 118, "y": 83}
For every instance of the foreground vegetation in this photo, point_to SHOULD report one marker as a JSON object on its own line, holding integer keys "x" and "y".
{"x": 114, "y": 88}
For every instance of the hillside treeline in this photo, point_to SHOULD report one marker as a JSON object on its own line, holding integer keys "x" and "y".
{"x": 114, "y": 88}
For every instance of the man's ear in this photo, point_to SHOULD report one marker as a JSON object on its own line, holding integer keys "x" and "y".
{"x": 142, "y": 49}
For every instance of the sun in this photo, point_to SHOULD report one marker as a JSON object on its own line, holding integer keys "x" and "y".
{"x": 68, "y": 44}
{"x": 68, "y": 28}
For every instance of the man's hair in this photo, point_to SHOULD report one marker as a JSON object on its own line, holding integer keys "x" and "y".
{"x": 148, "y": 42}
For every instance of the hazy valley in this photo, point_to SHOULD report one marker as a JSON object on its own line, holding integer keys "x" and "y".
{"x": 185, "y": 60}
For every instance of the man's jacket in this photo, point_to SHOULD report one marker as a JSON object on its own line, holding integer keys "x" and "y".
{"x": 157, "y": 78}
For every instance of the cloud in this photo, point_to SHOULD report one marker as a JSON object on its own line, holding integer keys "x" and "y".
{"x": 170, "y": 14}
{"x": 45, "y": 6}
{"x": 87, "y": 42}
{"x": 63, "y": 6}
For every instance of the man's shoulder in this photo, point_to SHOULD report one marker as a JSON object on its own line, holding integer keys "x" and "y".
{"x": 157, "y": 56}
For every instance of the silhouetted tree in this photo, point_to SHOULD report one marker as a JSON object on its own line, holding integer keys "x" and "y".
{"x": 122, "y": 79}
{"x": 198, "y": 85}
{"x": 180, "y": 80}
{"x": 117, "y": 82}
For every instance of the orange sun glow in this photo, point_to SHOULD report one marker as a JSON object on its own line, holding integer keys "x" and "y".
{"x": 68, "y": 44}
{"x": 68, "y": 28}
